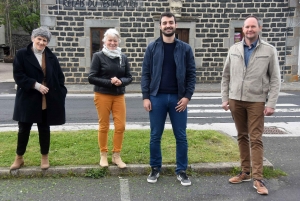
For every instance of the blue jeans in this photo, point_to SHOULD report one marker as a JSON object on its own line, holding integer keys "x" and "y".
{"x": 161, "y": 105}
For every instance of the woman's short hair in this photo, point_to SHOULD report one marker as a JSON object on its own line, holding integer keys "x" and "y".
{"x": 112, "y": 32}
{"x": 43, "y": 32}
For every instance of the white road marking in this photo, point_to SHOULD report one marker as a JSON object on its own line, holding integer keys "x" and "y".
{"x": 226, "y": 117}
{"x": 292, "y": 128}
{"x": 219, "y": 105}
{"x": 202, "y": 98}
{"x": 124, "y": 190}
{"x": 133, "y": 95}
{"x": 223, "y": 111}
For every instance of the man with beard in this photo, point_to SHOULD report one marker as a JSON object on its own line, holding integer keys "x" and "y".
{"x": 250, "y": 89}
{"x": 168, "y": 83}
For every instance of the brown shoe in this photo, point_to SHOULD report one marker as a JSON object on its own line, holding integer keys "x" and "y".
{"x": 240, "y": 178}
{"x": 260, "y": 186}
{"x": 18, "y": 163}
{"x": 45, "y": 162}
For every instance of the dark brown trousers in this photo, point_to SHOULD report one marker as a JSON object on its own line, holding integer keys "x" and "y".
{"x": 249, "y": 121}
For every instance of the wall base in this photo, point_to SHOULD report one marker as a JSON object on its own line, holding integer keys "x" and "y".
{"x": 291, "y": 78}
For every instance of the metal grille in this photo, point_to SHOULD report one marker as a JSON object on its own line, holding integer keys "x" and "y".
{"x": 274, "y": 130}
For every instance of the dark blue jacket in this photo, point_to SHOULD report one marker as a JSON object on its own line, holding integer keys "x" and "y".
{"x": 152, "y": 69}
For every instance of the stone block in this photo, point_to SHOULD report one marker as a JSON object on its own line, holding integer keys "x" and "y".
{"x": 291, "y": 78}
{"x": 44, "y": 10}
{"x": 49, "y": 21}
{"x": 293, "y": 3}
{"x": 53, "y": 42}
{"x": 294, "y": 69}
{"x": 49, "y": 2}
{"x": 292, "y": 41}
{"x": 291, "y": 60}
{"x": 198, "y": 61}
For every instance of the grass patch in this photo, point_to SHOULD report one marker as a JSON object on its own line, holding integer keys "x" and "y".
{"x": 96, "y": 173}
{"x": 268, "y": 172}
{"x": 273, "y": 173}
{"x": 81, "y": 147}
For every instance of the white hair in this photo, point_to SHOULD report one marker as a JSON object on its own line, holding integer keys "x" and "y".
{"x": 112, "y": 32}
{"x": 43, "y": 32}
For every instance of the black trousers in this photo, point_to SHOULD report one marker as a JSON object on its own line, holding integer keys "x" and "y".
{"x": 44, "y": 135}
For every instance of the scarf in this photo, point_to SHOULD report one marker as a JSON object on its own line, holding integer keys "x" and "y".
{"x": 38, "y": 54}
{"x": 112, "y": 53}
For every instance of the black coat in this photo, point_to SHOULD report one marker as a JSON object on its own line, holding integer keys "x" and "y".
{"x": 28, "y": 102}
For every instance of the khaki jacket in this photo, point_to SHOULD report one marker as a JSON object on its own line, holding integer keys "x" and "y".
{"x": 259, "y": 82}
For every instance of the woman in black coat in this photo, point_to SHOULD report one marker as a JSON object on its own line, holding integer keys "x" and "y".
{"x": 40, "y": 96}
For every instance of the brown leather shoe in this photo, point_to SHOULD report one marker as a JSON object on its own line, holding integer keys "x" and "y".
{"x": 45, "y": 162}
{"x": 18, "y": 163}
{"x": 260, "y": 186}
{"x": 240, "y": 178}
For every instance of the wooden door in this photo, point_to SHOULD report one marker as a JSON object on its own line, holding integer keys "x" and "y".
{"x": 96, "y": 37}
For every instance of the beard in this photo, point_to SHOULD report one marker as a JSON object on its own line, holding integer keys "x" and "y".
{"x": 169, "y": 34}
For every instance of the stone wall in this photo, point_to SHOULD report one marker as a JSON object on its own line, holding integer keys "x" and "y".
{"x": 211, "y": 25}
{"x": 21, "y": 41}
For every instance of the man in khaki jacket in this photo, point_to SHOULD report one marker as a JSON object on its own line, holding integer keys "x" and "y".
{"x": 250, "y": 89}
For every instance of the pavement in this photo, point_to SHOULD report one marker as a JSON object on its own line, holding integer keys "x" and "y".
{"x": 7, "y": 88}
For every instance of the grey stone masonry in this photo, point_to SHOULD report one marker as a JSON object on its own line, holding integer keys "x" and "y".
{"x": 211, "y": 26}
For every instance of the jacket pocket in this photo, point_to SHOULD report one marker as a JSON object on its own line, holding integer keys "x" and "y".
{"x": 236, "y": 59}
{"x": 235, "y": 55}
{"x": 262, "y": 60}
{"x": 256, "y": 87}
{"x": 262, "y": 57}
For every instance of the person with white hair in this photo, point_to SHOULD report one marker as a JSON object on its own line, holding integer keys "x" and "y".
{"x": 40, "y": 95}
{"x": 110, "y": 73}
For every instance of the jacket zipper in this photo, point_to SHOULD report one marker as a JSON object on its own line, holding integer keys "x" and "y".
{"x": 251, "y": 56}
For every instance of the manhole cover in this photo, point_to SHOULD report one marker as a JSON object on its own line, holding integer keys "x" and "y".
{"x": 274, "y": 130}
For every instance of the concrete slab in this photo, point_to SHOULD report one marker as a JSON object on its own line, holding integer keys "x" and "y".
{"x": 6, "y": 72}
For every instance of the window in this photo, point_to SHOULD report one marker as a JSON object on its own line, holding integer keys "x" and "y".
{"x": 238, "y": 34}
{"x": 97, "y": 35}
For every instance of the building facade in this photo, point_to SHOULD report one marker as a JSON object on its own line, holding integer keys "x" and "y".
{"x": 209, "y": 26}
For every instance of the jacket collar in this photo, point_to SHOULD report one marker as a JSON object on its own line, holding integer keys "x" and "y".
{"x": 259, "y": 41}
{"x": 240, "y": 46}
{"x": 160, "y": 40}
{"x": 33, "y": 60}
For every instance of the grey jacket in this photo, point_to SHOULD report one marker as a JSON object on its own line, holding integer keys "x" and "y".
{"x": 259, "y": 82}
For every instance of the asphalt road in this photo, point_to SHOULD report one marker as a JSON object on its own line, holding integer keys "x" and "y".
{"x": 204, "y": 108}
{"x": 282, "y": 152}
